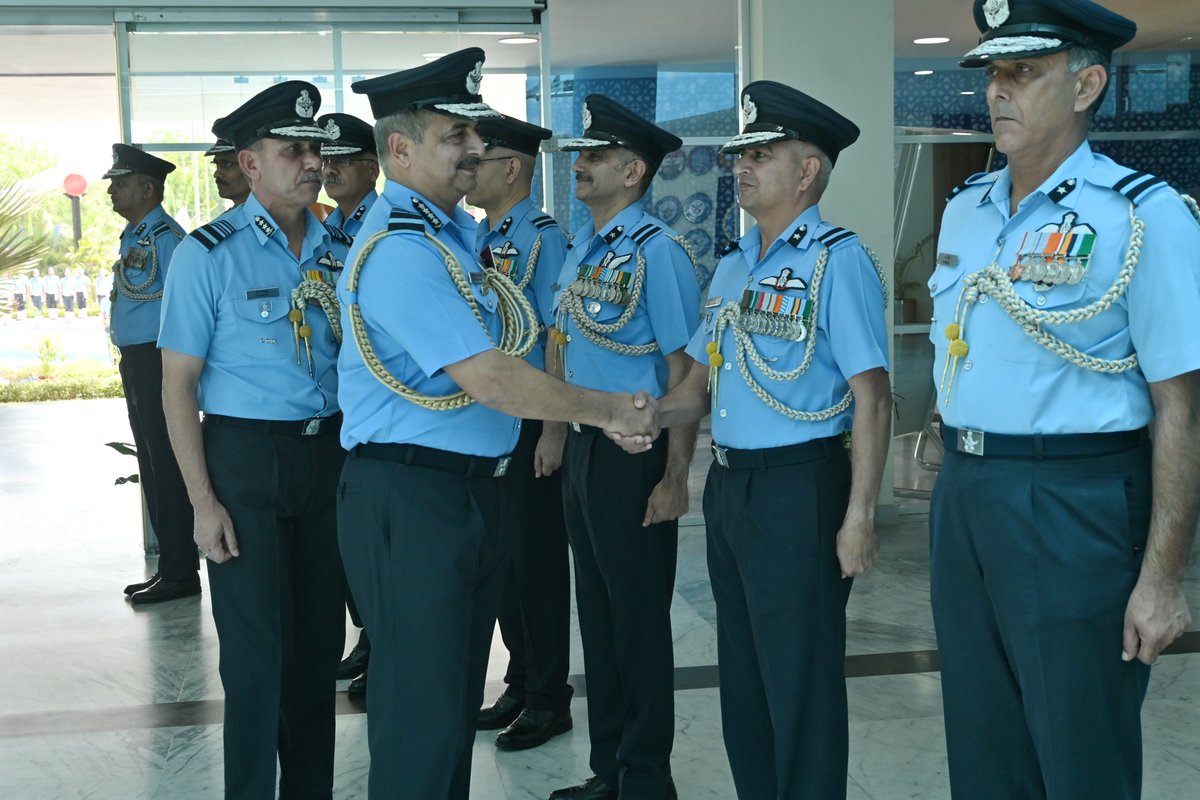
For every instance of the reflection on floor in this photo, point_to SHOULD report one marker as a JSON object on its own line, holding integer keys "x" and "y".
{"x": 101, "y": 700}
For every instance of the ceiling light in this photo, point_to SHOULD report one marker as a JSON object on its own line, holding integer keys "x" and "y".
{"x": 518, "y": 40}
{"x": 932, "y": 40}
{"x": 923, "y": 72}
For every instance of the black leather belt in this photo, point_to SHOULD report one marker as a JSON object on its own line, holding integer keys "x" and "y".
{"x": 315, "y": 426}
{"x": 766, "y": 457}
{"x": 1039, "y": 446}
{"x": 416, "y": 455}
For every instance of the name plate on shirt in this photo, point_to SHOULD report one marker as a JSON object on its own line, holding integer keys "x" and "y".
{"x": 255, "y": 294}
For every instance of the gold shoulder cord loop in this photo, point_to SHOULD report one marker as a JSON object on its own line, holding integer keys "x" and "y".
{"x": 323, "y": 295}
{"x": 519, "y": 327}
{"x": 994, "y": 281}
{"x": 730, "y": 316}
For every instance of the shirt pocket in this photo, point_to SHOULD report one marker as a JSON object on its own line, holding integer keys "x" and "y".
{"x": 263, "y": 329}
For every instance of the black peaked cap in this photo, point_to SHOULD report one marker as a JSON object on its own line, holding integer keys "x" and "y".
{"x": 607, "y": 123}
{"x": 128, "y": 160}
{"x": 1029, "y": 28}
{"x": 773, "y": 112}
{"x": 449, "y": 85}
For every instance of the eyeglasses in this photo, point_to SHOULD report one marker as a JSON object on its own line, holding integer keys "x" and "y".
{"x": 496, "y": 158}
{"x": 341, "y": 161}
{"x": 224, "y": 163}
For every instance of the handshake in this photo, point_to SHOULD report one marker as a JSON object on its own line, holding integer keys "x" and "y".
{"x": 635, "y": 422}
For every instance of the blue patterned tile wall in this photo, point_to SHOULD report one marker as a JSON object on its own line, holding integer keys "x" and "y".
{"x": 1159, "y": 93}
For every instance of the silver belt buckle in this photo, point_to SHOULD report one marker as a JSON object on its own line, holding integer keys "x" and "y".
{"x": 970, "y": 442}
{"x": 312, "y": 426}
{"x": 721, "y": 455}
{"x": 501, "y": 467}
{"x": 575, "y": 427}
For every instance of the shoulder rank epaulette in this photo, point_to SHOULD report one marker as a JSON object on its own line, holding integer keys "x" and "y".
{"x": 213, "y": 233}
{"x": 1135, "y": 185}
{"x": 162, "y": 226}
{"x": 400, "y": 220}
{"x": 835, "y": 236}
{"x": 543, "y": 221}
{"x": 971, "y": 181}
{"x": 339, "y": 235}
{"x": 644, "y": 233}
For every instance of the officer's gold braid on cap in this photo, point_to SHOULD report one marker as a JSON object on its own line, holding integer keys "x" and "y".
{"x": 731, "y": 316}
{"x": 518, "y": 323}
{"x": 994, "y": 281}
{"x": 570, "y": 303}
{"x": 324, "y": 295}
{"x": 132, "y": 292}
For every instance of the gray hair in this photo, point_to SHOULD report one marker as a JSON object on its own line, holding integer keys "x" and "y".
{"x": 1079, "y": 59}
{"x": 410, "y": 123}
{"x": 821, "y": 181}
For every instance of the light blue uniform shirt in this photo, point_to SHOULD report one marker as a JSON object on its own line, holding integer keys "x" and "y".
{"x": 227, "y": 301}
{"x": 418, "y": 323}
{"x": 151, "y": 240}
{"x": 511, "y": 241}
{"x": 353, "y": 225}
{"x": 34, "y": 284}
{"x": 667, "y": 312}
{"x": 851, "y": 332}
{"x": 1007, "y": 383}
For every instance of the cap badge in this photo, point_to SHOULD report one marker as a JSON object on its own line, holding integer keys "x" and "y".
{"x": 749, "y": 110}
{"x": 587, "y": 117}
{"x": 995, "y": 12}
{"x": 332, "y": 130}
{"x": 475, "y": 78}
{"x": 304, "y": 105}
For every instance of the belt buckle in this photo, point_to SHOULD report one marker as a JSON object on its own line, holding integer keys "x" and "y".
{"x": 575, "y": 427}
{"x": 970, "y": 442}
{"x": 501, "y": 467}
{"x": 721, "y": 455}
{"x": 312, "y": 427}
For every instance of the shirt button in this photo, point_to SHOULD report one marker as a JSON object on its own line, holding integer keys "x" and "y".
{"x": 1041, "y": 300}
{"x": 570, "y": 373}
{"x": 728, "y": 366}
{"x": 568, "y": 337}
{"x": 724, "y": 413}
{"x": 967, "y": 364}
{"x": 933, "y": 287}
{"x": 983, "y": 298}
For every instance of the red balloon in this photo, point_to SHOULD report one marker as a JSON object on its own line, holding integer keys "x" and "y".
{"x": 75, "y": 185}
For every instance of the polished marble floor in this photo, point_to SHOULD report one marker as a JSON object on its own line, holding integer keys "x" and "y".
{"x": 102, "y": 700}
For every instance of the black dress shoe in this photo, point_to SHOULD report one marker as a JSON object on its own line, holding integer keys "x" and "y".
{"x": 134, "y": 588}
{"x": 355, "y": 663}
{"x": 500, "y": 714}
{"x": 591, "y": 789}
{"x": 532, "y": 727}
{"x": 358, "y": 686}
{"x": 164, "y": 590}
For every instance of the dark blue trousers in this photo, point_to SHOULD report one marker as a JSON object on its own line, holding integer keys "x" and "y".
{"x": 624, "y": 582}
{"x": 535, "y": 609}
{"x": 278, "y": 609}
{"x": 426, "y": 556}
{"x": 166, "y": 495}
{"x": 1032, "y": 565}
{"x": 781, "y": 623}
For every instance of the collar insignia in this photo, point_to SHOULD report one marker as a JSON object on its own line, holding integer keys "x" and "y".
{"x": 784, "y": 281}
{"x": 304, "y": 105}
{"x": 749, "y": 110}
{"x": 504, "y": 226}
{"x": 475, "y": 78}
{"x": 1062, "y": 190}
{"x": 427, "y": 212}
{"x": 587, "y": 117}
{"x": 264, "y": 226}
{"x": 612, "y": 235}
{"x": 797, "y": 236}
{"x": 329, "y": 261}
{"x": 331, "y": 128}
{"x": 358, "y": 212}
{"x": 139, "y": 230}
{"x": 995, "y": 12}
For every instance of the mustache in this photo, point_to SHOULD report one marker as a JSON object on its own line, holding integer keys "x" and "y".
{"x": 469, "y": 162}
{"x": 334, "y": 182}
{"x": 310, "y": 176}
